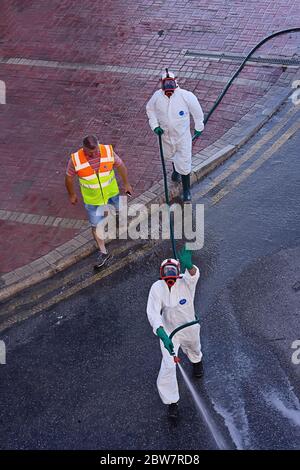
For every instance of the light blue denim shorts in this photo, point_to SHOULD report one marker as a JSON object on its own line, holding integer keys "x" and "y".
{"x": 97, "y": 213}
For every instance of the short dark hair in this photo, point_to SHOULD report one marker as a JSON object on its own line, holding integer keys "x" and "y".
{"x": 90, "y": 142}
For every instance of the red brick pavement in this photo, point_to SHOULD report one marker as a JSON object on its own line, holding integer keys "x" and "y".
{"x": 48, "y": 110}
{"x": 18, "y": 242}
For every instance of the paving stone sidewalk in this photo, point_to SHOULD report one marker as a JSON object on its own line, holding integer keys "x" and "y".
{"x": 73, "y": 68}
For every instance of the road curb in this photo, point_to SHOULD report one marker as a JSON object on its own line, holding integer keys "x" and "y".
{"x": 204, "y": 162}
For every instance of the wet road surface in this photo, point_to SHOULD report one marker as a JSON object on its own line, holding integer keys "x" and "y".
{"x": 81, "y": 369}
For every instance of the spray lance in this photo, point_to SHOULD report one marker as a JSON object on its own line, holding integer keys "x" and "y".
{"x": 176, "y": 358}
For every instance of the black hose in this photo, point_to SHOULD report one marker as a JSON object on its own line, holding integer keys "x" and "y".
{"x": 167, "y": 195}
{"x": 184, "y": 326}
{"x": 220, "y": 97}
{"x": 216, "y": 104}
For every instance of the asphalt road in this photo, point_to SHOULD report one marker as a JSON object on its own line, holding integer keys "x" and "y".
{"x": 81, "y": 373}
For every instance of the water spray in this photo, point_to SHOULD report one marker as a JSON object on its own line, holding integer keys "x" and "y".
{"x": 202, "y": 409}
{"x": 200, "y": 405}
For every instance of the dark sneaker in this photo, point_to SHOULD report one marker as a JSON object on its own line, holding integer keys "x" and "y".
{"x": 173, "y": 411}
{"x": 198, "y": 369}
{"x": 101, "y": 259}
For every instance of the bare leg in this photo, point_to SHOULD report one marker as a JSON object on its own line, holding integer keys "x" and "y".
{"x": 100, "y": 243}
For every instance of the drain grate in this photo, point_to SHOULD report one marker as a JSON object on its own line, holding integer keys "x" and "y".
{"x": 239, "y": 58}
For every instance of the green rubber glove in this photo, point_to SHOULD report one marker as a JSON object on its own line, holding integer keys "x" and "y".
{"x": 168, "y": 344}
{"x": 158, "y": 131}
{"x": 197, "y": 134}
{"x": 185, "y": 258}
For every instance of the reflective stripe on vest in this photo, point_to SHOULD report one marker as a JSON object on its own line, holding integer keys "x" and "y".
{"x": 91, "y": 186}
{"x": 106, "y": 183}
{"x": 77, "y": 164}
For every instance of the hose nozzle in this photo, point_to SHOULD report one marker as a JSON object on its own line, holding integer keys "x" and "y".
{"x": 176, "y": 358}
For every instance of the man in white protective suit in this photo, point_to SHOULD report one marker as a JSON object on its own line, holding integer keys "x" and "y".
{"x": 170, "y": 305}
{"x": 169, "y": 112}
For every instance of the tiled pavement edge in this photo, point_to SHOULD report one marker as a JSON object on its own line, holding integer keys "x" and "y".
{"x": 203, "y": 163}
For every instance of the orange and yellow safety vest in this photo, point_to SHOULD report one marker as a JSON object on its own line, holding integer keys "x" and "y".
{"x": 96, "y": 188}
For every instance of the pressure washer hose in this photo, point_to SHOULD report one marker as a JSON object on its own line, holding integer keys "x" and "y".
{"x": 271, "y": 36}
{"x": 214, "y": 107}
{"x": 167, "y": 195}
{"x": 184, "y": 326}
{"x": 181, "y": 327}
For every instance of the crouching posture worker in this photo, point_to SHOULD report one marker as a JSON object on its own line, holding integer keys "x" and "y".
{"x": 170, "y": 305}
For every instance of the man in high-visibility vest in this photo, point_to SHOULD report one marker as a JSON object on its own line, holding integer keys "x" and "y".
{"x": 94, "y": 166}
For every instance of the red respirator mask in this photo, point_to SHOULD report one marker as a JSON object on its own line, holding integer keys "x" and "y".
{"x": 170, "y": 271}
{"x": 168, "y": 84}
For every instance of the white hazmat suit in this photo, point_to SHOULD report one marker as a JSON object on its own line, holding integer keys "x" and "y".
{"x": 173, "y": 116}
{"x": 171, "y": 308}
